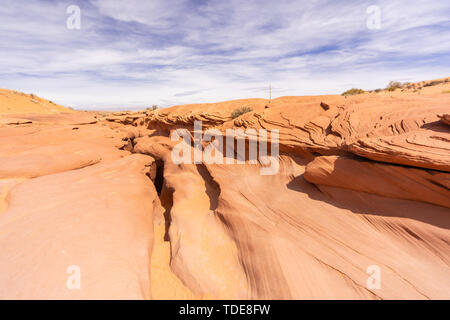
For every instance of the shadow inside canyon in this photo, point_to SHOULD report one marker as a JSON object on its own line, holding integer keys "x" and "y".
{"x": 370, "y": 204}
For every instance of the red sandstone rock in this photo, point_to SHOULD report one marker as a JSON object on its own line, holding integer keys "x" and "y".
{"x": 363, "y": 182}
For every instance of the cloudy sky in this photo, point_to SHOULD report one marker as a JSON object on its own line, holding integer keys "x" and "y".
{"x": 137, "y": 53}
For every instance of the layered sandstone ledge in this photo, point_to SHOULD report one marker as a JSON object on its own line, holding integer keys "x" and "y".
{"x": 363, "y": 181}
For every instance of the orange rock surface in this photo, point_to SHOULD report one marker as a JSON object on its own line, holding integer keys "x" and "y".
{"x": 17, "y": 102}
{"x": 363, "y": 181}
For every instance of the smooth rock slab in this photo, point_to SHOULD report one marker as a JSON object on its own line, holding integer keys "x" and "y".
{"x": 97, "y": 219}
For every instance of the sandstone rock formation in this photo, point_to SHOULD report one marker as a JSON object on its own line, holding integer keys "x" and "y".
{"x": 362, "y": 181}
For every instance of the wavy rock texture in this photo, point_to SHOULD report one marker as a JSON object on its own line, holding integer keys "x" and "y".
{"x": 362, "y": 181}
{"x": 381, "y": 179}
{"x": 71, "y": 195}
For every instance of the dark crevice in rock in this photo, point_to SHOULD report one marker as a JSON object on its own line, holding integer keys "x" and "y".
{"x": 165, "y": 193}
{"x": 166, "y": 198}
{"x": 159, "y": 177}
{"x": 212, "y": 187}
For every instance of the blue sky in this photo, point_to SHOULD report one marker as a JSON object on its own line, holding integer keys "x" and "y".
{"x": 135, "y": 53}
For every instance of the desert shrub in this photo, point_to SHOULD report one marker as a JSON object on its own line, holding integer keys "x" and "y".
{"x": 393, "y": 85}
{"x": 407, "y": 85}
{"x": 433, "y": 83}
{"x": 152, "y": 108}
{"x": 240, "y": 111}
{"x": 378, "y": 90}
{"x": 352, "y": 92}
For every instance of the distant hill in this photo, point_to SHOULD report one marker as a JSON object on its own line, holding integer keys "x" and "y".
{"x": 13, "y": 102}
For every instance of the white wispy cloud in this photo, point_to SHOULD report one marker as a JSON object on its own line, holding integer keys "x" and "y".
{"x": 138, "y": 53}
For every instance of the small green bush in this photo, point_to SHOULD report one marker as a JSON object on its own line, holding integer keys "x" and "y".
{"x": 352, "y": 92}
{"x": 240, "y": 111}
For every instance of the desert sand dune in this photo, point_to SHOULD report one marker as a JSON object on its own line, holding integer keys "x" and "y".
{"x": 18, "y": 102}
